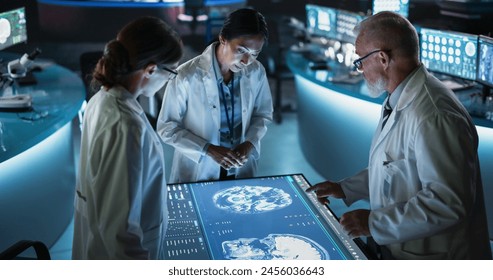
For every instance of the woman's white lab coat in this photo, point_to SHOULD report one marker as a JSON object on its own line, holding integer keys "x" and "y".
{"x": 423, "y": 180}
{"x": 190, "y": 117}
{"x": 120, "y": 203}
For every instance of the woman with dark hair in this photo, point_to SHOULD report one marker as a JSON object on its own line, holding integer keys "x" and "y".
{"x": 216, "y": 111}
{"x": 120, "y": 203}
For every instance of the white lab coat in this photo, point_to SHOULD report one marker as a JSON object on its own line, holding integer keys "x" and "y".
{"x": 190, "y": 117}
{"x": 423, "y": 180}
{"x": 120, "y": 203}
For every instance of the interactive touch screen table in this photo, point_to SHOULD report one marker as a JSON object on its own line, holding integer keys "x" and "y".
{"x": 259, "y": 218}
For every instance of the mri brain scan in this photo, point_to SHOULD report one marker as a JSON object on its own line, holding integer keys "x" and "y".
{"x": 251, "y": 199}
{"x": 274, "y": 247}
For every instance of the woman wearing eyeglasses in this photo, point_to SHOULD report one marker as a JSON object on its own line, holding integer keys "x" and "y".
{"x": 216, "y": 111}
{"x": 120, "y": 203}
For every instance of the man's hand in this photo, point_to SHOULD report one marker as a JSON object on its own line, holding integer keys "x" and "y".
{"x": 355, "y": 223}
{"x": 327, "y": 189}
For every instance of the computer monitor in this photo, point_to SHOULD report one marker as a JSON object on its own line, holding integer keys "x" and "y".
{"x": 449, "y": 52}
{"x": 331, "y": 23}
{"x": 321, "y": 21}
{"x": 13, "y": 29}
{"x": 399, "y": 6}
{"x": 345, "y": 23}
{"x": 254, "y": 219}
{"x": 485, "y": 61}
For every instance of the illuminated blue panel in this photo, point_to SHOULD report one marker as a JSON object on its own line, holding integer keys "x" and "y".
{"x": 132, "y": 4}
{"x": 485, "y": 61}
{"x": 399, "y": 6}
{"x": 321, "y": 21}
{"x": 331, "y": 23}
{"x": 13, "y": 28}
{"x": 253, "y": 219}
{"x": 346, "y": 21}
{"x": 449, "y": 52}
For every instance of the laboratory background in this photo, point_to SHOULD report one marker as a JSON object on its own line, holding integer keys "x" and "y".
{"x": 323, "y": 119}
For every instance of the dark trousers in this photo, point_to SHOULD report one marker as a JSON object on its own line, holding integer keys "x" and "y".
{"x": 223, "y": 176}
{"x": 379, "y": 252}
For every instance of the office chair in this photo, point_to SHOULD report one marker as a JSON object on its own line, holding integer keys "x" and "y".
{"x": 15, "y": 250}
{"x": 274, "y": 61}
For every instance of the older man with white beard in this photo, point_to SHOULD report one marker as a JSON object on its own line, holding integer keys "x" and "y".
{"x": 423, "y": 179}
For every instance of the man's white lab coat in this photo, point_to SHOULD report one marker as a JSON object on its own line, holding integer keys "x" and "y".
{"x": 423, "y": 179}
{"x": 120, "y": 203}
{"x": 190, "y": 117}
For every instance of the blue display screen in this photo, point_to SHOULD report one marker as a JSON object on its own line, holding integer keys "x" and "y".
{"x": 331, "y": 23}
{"x": 321, "y": 21}
{"x": 268, "y": 218}
{"x": 399, "y": 6}
{"x": 346, "y": 21}
{"x": 13, "y": 29}
{"x": 485, "y": 61}
{"x": 449, "y": 52}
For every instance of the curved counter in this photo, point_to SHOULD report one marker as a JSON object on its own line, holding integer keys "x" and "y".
{"x": 37, "y": 178}
{"x": 337, "y": 122}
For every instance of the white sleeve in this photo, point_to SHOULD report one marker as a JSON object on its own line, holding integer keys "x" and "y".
{"x": 445, "y": 155}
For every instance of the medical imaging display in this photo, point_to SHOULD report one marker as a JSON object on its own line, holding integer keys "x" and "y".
{"x": 485, "y": 61}
{"x": 13, "y": 29}
{"x": 266, "y": 218}
{"x": 321, "y": 21}
{"x": 331, "y": 23}
{"x": 449, "y": 52}
{"x": 399, "y": 6}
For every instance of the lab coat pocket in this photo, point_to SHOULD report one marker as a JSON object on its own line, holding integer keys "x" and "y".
{"x": 394, "y": 180}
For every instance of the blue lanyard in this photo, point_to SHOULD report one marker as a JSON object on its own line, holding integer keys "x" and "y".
{"x": 230, "y": 121}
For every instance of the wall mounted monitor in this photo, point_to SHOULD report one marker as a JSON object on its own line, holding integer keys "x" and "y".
{"x": 321, "y": 21}
{"x": 449, "y": 52}
{"x": 399, "y": 6}
{"x": 13, "y": 28}
{"x": 485, "y": 61}
{"x": 266, "y": 218}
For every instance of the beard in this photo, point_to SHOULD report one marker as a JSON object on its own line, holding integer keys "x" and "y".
{"x": 377, "y": 88}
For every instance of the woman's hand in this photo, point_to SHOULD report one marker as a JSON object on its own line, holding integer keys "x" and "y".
{"x": 225, "y": 157}
{"x": 243, "y": 151}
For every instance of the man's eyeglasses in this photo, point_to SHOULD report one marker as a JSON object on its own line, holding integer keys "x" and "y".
{"x": 358, "y": 63}
{"x": 172, "y": 73}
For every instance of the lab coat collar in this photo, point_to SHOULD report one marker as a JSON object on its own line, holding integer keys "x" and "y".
{"x": 411, "y": 88}
{"x": 122, "y": 94}
{"x": 206, "y": 61}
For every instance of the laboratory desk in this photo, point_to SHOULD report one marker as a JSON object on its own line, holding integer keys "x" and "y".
{"x": 37, "y": 167}
{"x": 337, "y": 119}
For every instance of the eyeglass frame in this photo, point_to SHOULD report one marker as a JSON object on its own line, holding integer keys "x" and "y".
{"x": 170, "y": 71}
{"x": 358, "y": 63}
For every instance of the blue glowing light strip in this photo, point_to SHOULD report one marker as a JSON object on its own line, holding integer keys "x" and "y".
{"x": 336, "y": 245}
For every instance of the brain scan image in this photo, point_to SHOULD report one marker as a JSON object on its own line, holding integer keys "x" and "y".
{"x": 5, "y": 30}
{"x": 251, "y": 199}
{"x": 274, "y": 247}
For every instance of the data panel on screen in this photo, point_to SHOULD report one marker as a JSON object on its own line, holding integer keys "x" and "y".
{"x": 399, "y": 6}
{"x": 13, "y": 28}
{"x": 331, "y": 23}
{"x": 449, "y": 52}
{"x": 485, "y": 61}
{"x": 346, "y": 21}
{"x": 267, "y": 218}
{"x": 321, "y": 21}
